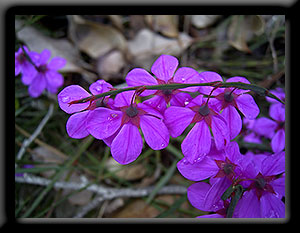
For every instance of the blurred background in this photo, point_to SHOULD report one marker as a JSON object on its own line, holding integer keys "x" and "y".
{"x": 108, "y": 47}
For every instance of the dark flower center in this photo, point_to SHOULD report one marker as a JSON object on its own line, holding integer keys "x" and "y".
{"x": 167, "y": 92}
{"x": 260, "y": 183}
{"x": 42, "y": 68}
{"x": 228, "y": 96}
{"x": 228, "y": 168}
{"x": 204, "y": 110}
{"x": 132, "y": 111}
{"x": 21, "y": 58}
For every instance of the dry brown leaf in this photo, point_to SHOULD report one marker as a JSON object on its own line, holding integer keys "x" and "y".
{"x": 110, "y": 64}
{"x": 166, "y": 24}
{"x": 148, "y": 44}
{"x": 203, "y": 21}
{"x": 95, "y": 39}
{"x": 242, "y": 29}
{"x": 128, "y": 172}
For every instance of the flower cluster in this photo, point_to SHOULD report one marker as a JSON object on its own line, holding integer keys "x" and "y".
{"x": 37, "y": 73}
{"x": 243, "y": 186}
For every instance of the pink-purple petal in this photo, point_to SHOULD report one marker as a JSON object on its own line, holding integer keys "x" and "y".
{"x": 140, "y": 77}
{"x": 164, "y": 67}
{"x": 76, "y": 125}
{"x": 272, "y": 207}
{"x": 196, "y": 194}
{"x": 277, "y": 112}
{"x": 273, "y": 164}
{"x": 197, "y": 143}
{"x": 278, "y": 141}
{"x": 123, "y": 99}
{"x": 248, "y": 206}
{"x": 69, "y": 94}
{"x": 241, "y": 80}
{"x": 199, "y": 170}
{"x": 127, "y": 145}
{"x": 234, "y": 121}
{"x": 264, "y": 127}
{"x": 177, "y": 119}
{"x": 247, "y": 106}
{"x": 54, "y": 79}
{"x": 57, "y": 63}
{"x": 220, "y": 131}
{"x": 155, "y": 132}
{"x": 210, "y": 76}
{"x": 103, "y": 122}
{"x": 187, "y": 75}
{"x": 100, "y": 86}
{"x": 37, "y": 86}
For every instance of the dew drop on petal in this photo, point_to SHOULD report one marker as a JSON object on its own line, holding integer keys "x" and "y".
{"x": 163, "y": 144}
{"x": 65, "y": 99}
{"x": 182, "y": 79}
{"x": 113, "y": 115}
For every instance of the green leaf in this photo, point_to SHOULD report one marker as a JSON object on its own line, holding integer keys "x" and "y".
{"x": 238, "y": 191}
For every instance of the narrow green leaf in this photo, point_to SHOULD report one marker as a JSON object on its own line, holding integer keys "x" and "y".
{"x": 238, "y": 191}
{"x": 173, "y": 207}
{"x": 164, "y": 180}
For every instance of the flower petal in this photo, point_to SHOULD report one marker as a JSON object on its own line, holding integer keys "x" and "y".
{"x": 277, "y": 112}
{"x": 127, "y": 145}
{"x": 238, "y": 79}
{"x": 140, "y": 77}
{"x": 212, "y": 200}
{"x": 157, "y": 102}
{"x": 199, "y": 170}
{"x": 247, "y": 106}
{"x": 177, "y": 119}
{"x": 273, "y": 164}
{"x": 210, "y": 76}
{"x": 278, "y": 141}
{"x": 187, "y": 75}
{"x": 155, "y": 132}
{"x": 197, "y": 143}
{"x": 220, "y": 131}
{"x": 181, "y": 99}
{"x": 164, "y": 67}
{"x": 272, "y": 207}
{"x": 54, "y": 79}
{"x": 69, "y": 94}
{"x": 100, "y": 86}
{"x": 123, "y": 99}
{"x": 57, "y": 63}
{"x": 248, "y": 206}
{"x": 196, "y": 194}
{"x": 103, "y": 122}
{"x": 234, "y": 121}
{"x": 265, "y": 127}
{"x": 37, "y": 86}
{"x": 76, "y": 125}
{"x": 44, "y": 57}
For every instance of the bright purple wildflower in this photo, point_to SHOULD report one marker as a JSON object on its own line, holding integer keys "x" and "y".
{"x": 23, "y": 66}
{"x": 273, "y": 129}
{"x": 279, "y": 92}
{"x": 265, "y": 188}
{"x": 164, "y": 68}
{"x": 207, "y": 197}
{"x": 76, "y": 124}
{"x": 248, "y": 133}
{"x": 120, "y": 128}
{"x": 229, "y": 100}
{"x": 47, "y": 76}
{"x": 216, "y": 164}
{"x": 198, "y": 141}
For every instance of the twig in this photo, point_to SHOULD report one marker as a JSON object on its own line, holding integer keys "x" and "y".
{"x": 38, "y": 130}
{"x": 104, "y": 193}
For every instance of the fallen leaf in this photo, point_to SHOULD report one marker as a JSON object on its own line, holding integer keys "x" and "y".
{"x": 165, "y": 24}
{"x": 148, "y": 44}
{"x": 129, "y": 172}
{"x": 93, "y": 38}
{"x": 203, "y": 21}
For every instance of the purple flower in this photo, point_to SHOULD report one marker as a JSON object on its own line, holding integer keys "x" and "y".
{"x": 207, "y": 197}
{"x": 22, "y": 65}
{"x": 229, "y": 100}
{"x": 265, "y": 188}
{"x": 76, "y": 124}
{"x": 198, "y": 141}
{"x": 120, "y": 128}
{"x": 46, "y": 76}
{"x": 164, "y": 68}
{"x": 248, "y": 133}
{"x": 216, "y": 164}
